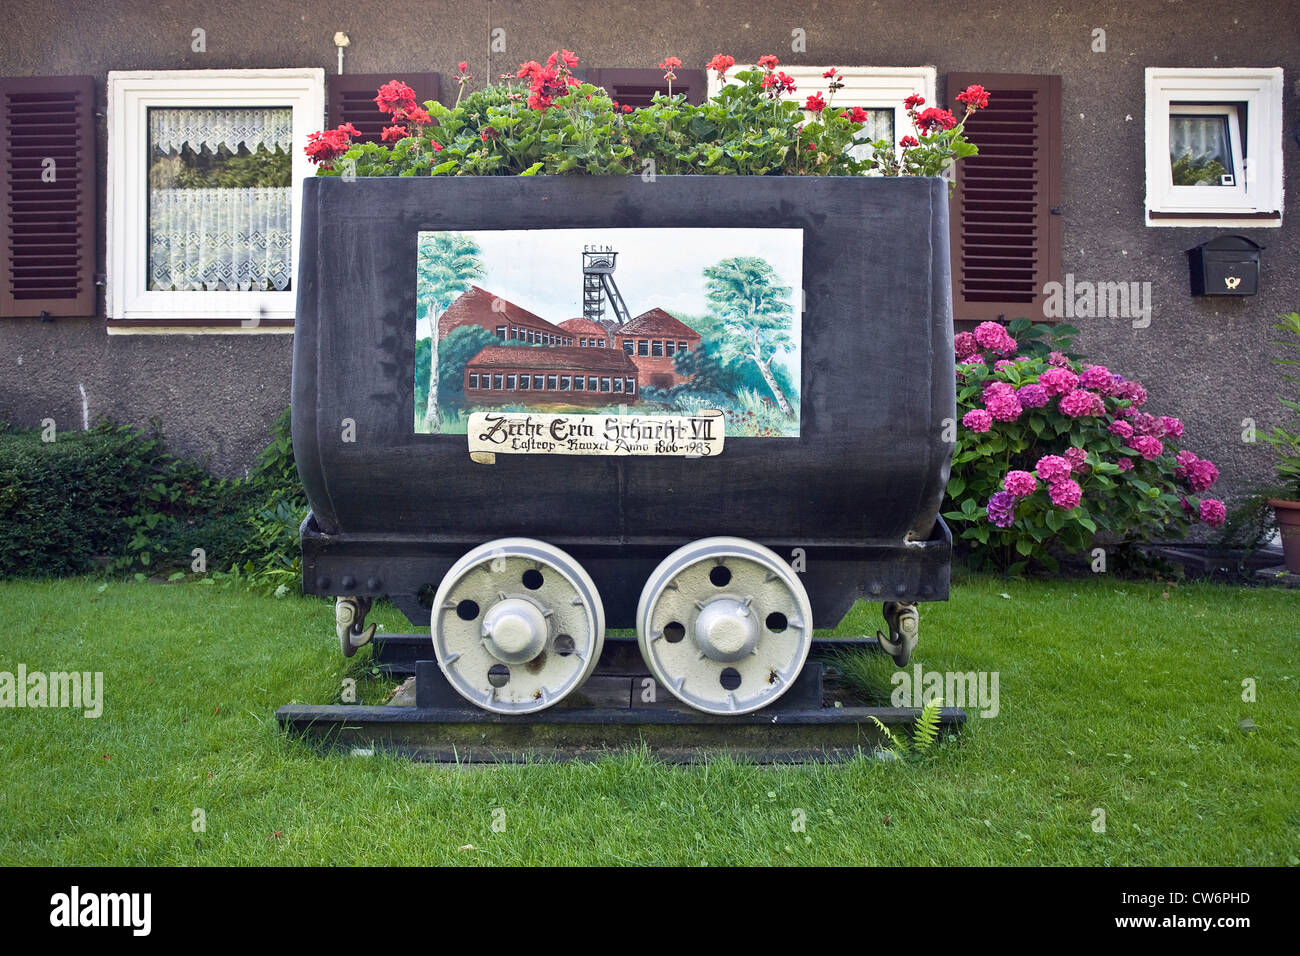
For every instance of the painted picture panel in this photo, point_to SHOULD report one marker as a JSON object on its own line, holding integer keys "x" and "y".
{"x": 608, "y": 321}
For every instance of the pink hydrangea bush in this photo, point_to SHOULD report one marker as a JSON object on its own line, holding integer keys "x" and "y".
{"x": 1055, "y": 454}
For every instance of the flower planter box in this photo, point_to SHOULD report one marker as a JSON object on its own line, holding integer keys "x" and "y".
{"x": 849, "y": 495}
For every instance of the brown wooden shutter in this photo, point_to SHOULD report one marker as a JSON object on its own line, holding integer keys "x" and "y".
{"x": 47, "y": 240}
{"x": 1006, "y": 231}
{"x": 636, "y": 88}
{"x": 352, "y": 99}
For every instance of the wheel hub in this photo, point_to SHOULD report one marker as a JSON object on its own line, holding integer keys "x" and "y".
{"x": 726, "y": 629}
{"x": 514, "y": 630}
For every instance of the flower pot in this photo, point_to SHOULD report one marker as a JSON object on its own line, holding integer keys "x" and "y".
{"x": 847, "y": 490}
{"x": 1288, "y": 519}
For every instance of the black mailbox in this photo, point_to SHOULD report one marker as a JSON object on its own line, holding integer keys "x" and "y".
{"x": 1226, "y": 265}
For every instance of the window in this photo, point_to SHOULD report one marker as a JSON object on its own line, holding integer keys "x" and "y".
{"x": 643, "y": 347}
{"x": 473, "y": 380}
{"x": 631, "y": 385}
{"x": 629, "y": 346}
{"x": 511, "y": 383}
{"x": 657, "y": 348}
{"x": 604, "y": 385}
{"x": 1004, "y": 214}
{"x": 205, "y": 168}
{"x": 591, "y": 383}
{"x": 681, "y": 346}
{"x": 618, "y": 385}
{"x": 497, "y": 382}
{"x": 880, "y": 90}
{"x": 1214, "y": 147}
{"x": 565, "y": 382}
{"x": 501, "y": 332}
{"x": 668, "y": 348}
{"x": 552, "y": 382}
{"x": 582, "y": 343}
{"x": 579, "y": 383}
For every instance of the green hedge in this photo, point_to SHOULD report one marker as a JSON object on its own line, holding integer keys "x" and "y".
{"x": 113, "y": 496}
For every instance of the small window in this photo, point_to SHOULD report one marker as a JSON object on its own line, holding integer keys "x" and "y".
{"x": 618, "y": 385}
{"x": 592, "y": 385}
{"x": 579, "y": 384}
{"x": 642, "y": 347}
{"x": 552, "y": 382}
{"x": 565, "y": 382}
{"x": 604, "y": 385}
{"x": 631, "y": 385}
{"x": 582, "y": 343}
{"x": 510, "y": 383}
{"x": 473, "y": 380}
{"x": 501, "y": 332}
{"x": 657, "y": 348}
{"x": 668, "y": 348}
{"x": 601, "y": 343}
{"x": 1214, "y": 147}
{"x": 681, "y": 346}
{"x": 498, "y": 381}
{"x": 629, "y": 346}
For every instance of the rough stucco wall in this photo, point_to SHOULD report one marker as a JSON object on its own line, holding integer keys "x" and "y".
{"x": 1204, "y": 360}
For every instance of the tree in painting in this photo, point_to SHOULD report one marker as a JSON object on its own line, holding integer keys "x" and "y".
{"x": 755, "y": 310}
{"x": 448, "y": 262}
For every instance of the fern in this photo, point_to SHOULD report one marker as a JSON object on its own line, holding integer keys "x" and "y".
{"x": 924, "y": 733}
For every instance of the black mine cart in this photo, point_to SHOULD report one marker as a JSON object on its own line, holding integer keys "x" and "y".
{"x": 709, "y": 409}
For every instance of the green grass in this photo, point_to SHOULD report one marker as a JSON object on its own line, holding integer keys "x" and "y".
{"x": 1112, "y": 696}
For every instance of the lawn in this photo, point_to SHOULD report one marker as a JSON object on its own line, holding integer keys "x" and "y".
{"x": 1115, "y": 695}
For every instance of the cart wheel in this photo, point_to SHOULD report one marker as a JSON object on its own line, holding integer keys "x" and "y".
{"x": 725, "y": 625}
{"x": 517, "y": 624}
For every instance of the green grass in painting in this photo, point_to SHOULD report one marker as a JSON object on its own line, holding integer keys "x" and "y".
{"x": 1115, "y": 695}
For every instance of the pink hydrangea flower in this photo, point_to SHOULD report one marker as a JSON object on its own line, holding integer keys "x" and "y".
{"x": 1182, "y": 462}
{"x": 1096, "y": 377}
{"x": 1058, "y": 381}
{"x": 1052, "y": 468}
{"x": 1080, "y": 403}
{"x": 1001, "y": 509}
{"x": 1125, "y": 464}
{"x": 1066, "y": 493}
{"x": 1122, "y": 429}
{"x": 964, "y": 345}
{"x": 1201, "y": 474}
{"x": 1148, "y": 446}
{"x": 1032, "y": 395}
{"x": 1000, "y": 364}
{"x": 1173, "y": 427}
{"x": 1213, "y": 512}
{"x": 1144, "y": 424}
{"x": 1058, "y": 360}
{"x": 996, "y": 388}
{"x": 1002, "y": 406}
{"x": 1134, "y": 393}
{"x": 977, "y": 420}
{"x": 1078, "y": 459}
{"x": 992, "y": 336}
{"x": 1022, "y": 484}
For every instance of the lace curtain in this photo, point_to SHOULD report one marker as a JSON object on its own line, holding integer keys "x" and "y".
{"x": 220, "y": 239}
{"x": 879, "y": 125}
{"x": 1203, "y": 138}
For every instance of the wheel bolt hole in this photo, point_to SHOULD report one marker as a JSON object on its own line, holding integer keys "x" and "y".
{"x": 720, "y": 576}
{"x": 565, "y": 645}
{"x": 467, "y": 610}
{"x": 729, "y": 678}
{"x": 674, "y": 631}
{"x": 776, "y": 622}
{"x": 533, "y": 579}
{"x": 498, "y": 674}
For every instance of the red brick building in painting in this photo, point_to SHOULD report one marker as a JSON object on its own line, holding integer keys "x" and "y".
{"x": 652, "y": 340}
{"x": 563, "y": 375}
{"x": 587, "y": 334}
{"x": 506, "y": 320}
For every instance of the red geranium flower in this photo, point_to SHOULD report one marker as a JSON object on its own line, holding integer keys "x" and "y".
{"x": 463, "y": 66}
{"x": 395, "y": 97}
{"x": 393, "y": 134}
{"x": 815, "y": 103}
{"x": 933, "y": 118}
{"x": 626, "y": 108}
{"x": 437, "y": 147}
{"x": 419, "y": 115}
{"x": 975, "y": 96}
{"x": 569, "y": 58}
{"x": 328, "y": 145}
{"x": 349, "y": 129}
{"x": 722, "y": 63}
{"x": 670, "y": 63}
{"x": 913, "y": 101}
{"x": 856, "y": 115}
{"x": 531, "y": 68}
{"x": 829, "y": 74}
{"x": 768, "y": 62}
{"x": 907, "y": 141}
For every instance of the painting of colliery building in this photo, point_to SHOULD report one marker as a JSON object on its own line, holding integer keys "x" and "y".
{"x": 712, "y": 330}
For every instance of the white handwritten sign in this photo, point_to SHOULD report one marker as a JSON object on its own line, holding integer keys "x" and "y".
{"x": 532, "y": 433}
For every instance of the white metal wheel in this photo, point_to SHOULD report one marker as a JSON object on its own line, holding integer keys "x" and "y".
{"x": 725, "y": 625}
{"x": 517, "y": 624}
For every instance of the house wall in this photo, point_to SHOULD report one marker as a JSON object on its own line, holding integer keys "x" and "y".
{"x": 1202, "y": 359}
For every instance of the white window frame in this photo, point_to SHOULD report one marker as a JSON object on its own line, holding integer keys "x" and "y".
{"x": 131, "y": 93}
{"x": 1259, "y": 171}
{"x": 870, "y": 87}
